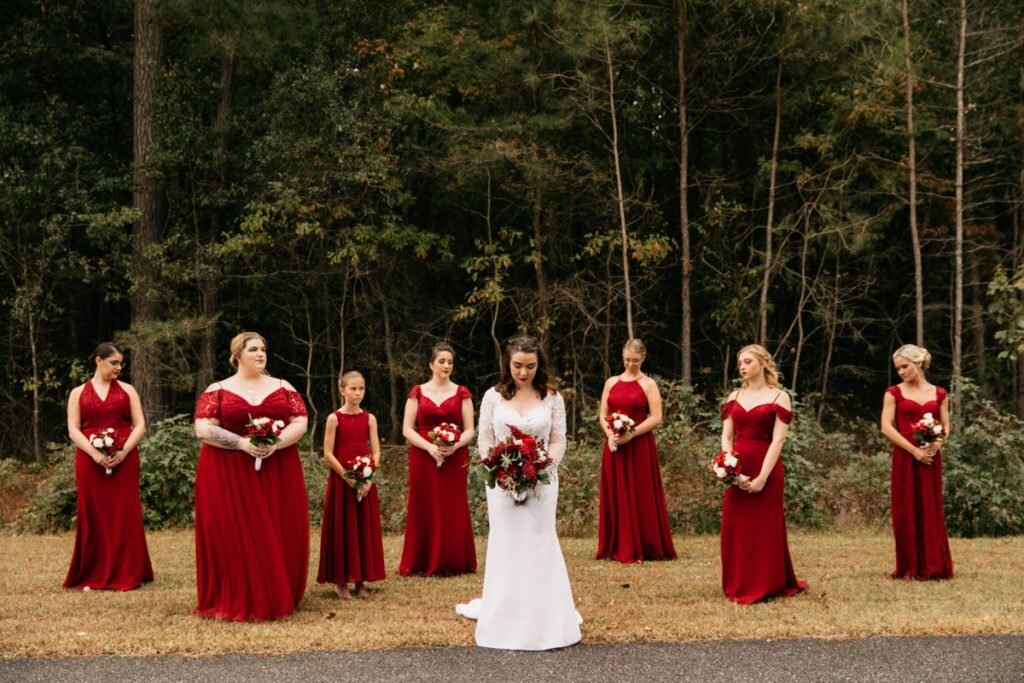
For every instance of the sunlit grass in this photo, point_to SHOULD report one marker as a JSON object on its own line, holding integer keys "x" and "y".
{"x": 850, "y": 595}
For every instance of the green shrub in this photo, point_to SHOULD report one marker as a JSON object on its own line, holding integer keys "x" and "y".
{"x": 167, "y": 473}
{"x": 55, "y": 504}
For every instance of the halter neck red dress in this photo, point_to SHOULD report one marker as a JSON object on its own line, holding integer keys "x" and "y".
{"x": 918, "y": 519}
{"x": 755, "y": 550}
{"x": 252, "y": 528}
{"x": 110, "y": 543}
{"x": 438, "y": 529}
{"x": 633, "y": 518}
{"x": 351, "y": 546}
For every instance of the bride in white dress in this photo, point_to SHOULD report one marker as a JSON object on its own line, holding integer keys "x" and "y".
{"x": 527, "y": 600}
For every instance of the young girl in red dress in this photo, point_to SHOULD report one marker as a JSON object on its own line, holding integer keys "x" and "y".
{"x": 755, "y": 549}
{"x": 918, "y": 519}
{"x": 110, "y": 544}
{"x": 633, "y": 517}
{"x": 438, "y": 529}
{"x": 351, "y": 547}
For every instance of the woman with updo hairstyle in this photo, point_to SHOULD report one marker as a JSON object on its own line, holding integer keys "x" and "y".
{"x": 438, "y": 528}
{"x": 252, "y": 514}
{"x": 106, "y": 423}
{"x": 918, "y": 519}
{"x": 633, "y": 524}
{"x": 755, "y": 549}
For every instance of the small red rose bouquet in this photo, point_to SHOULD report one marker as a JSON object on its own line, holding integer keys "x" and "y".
{"x": 928, "y": 430}
{"x": 108, "y": 442}
{"x": 263, "y": 431}
{"x": 445, "y": 434}
{"x": 620, "y": 424}
{"x": 726, "y": 468}
{"x": 360, "y": 469}
{"x": 517, "y": 464}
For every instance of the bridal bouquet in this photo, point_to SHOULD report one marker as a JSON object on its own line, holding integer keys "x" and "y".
{"x": 726, "y": 468}
{"x": 928, "y": 430}
{"x": 263, "y": 431}
{"x": 445, "y": 434}
{"x": 620, "y": 424}
{"x": 108, "y": 442}
{"x": 360, "y": 469}
{"x": 517, "y": 464}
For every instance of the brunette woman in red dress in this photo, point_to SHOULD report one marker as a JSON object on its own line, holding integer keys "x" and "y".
{"x": 755, "y": 550}
{"x": 438, "y": 530}
{"x": 110, "y": 544}
{"x": 252, "y": 525}
{"x": 918, "y": 520}
{"x": 633, "y": 518}
{"x": 351, "y": 546}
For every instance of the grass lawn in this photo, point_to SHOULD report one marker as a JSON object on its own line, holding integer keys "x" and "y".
{"x": 850, "y": 596}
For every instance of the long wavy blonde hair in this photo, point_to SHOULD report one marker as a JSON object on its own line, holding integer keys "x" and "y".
{"x": 771, "y": 373}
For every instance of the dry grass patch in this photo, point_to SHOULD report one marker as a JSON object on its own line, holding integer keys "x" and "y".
{"x": 850, "y": 595}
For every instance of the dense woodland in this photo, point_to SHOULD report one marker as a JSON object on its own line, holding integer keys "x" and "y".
{"x": 357, "y": 180}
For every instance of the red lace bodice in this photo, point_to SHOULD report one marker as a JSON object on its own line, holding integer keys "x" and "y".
{"x": 430, "y": 414}
{"x": 233, "y": 411}
{"x": 96, "y": 413}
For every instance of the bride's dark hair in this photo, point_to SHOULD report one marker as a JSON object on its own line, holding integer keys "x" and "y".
{"x": 522, "y": 343}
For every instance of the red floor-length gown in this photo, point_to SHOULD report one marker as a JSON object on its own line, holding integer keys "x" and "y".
{"x": 438, "y": 530}
{"x": 633, "y": 518}
{"x": 110, "y": 544}
{"x": 351, "y": 547}
{"x": 918, "y": 520}
{"x": 252, "y": 528}
{"x": 755, "y": 551}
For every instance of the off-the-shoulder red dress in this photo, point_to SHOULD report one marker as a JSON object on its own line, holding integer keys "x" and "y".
{"x": 252, "y": 528}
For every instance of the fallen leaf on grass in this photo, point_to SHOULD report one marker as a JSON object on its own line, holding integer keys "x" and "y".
{"x": 330, "y": 615}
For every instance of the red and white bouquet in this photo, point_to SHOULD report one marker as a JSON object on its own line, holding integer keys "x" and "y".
{"x": 517, "y": 464}
{"x": 263, "y": 431}
{"x": 726, "y": 468}
{"x": 108, "y": 442}
{"x": 620, "y": 424}
{"x": 445, "y": 434}
{"x": 360, "y": 469}
{"x": 928, "y": 430}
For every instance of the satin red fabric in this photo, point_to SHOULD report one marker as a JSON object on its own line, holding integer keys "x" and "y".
{"x": 918, "y": 518}
{"x": 351, "y": 546}
{"x": 252, "y": 528}
{"x": 755, "y": 550}
{"x": 633, "y": 524}
{"x": 438, "y": 529}
{"x": 110, "y": 543}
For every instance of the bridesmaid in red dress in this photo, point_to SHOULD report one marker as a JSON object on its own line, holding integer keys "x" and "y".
{"x": 438, "y": 530}
{"x": 918, "y": 520}
{"x": 110, "y": 544}
{"x": 755, "y": 550}
{"x": 252, "y": 526}
{"x": 633, "y": 518}
{"x": 351, "y": 546}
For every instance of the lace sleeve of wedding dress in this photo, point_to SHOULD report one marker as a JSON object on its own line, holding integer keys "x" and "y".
{"x": 485, "y": 432}
{"x": 557, "y": 443}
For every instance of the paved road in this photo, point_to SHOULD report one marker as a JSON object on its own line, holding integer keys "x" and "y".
{"x": 902, "y": 660}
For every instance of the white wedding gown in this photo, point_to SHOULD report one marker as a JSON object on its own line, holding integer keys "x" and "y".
{"x": 527, "y": 600}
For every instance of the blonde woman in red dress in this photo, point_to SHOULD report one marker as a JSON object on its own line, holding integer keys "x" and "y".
{"x": 633, "y": 517}
{"x": 110, "y": 543}
{"x": 351, "y": 545}
{"x": 918, "y": 518}
{"x": 438, "y": 529}
{"x": 252, "y": 526}
{"x": 755, "y": 549}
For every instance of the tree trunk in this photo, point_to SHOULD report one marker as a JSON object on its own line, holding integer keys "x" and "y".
{"x": 915, "y": 237}
{"x": 977, "y": 317}
{"x": 148, "y": 200}
{"x": 538, "y": 267}
{"x": 684, "y": 209}
{"x": 389, "y": 355}
{"x": 37, "y": 443}
{"x": 832, "y": 325}
{"x": 772, "y": 173}
{"x": 961, "y": 132}
{"x": 620, "y": 199}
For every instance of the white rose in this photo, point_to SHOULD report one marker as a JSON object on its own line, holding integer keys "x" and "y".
{"x": 108, "y": 442}
{"x": 617, "y": 424}
{"x": 720, "y": 472}
{"x": 367, "y": 472}
{"x": 279, "y": 424}
{"x": 938, "y": 429}
{"x": 928, "y": 416}
{"x": 730, "y": 460}
{"x": 97, "y": 442}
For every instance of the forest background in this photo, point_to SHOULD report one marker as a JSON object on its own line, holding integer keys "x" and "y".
{"x": 358, "y": 180}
